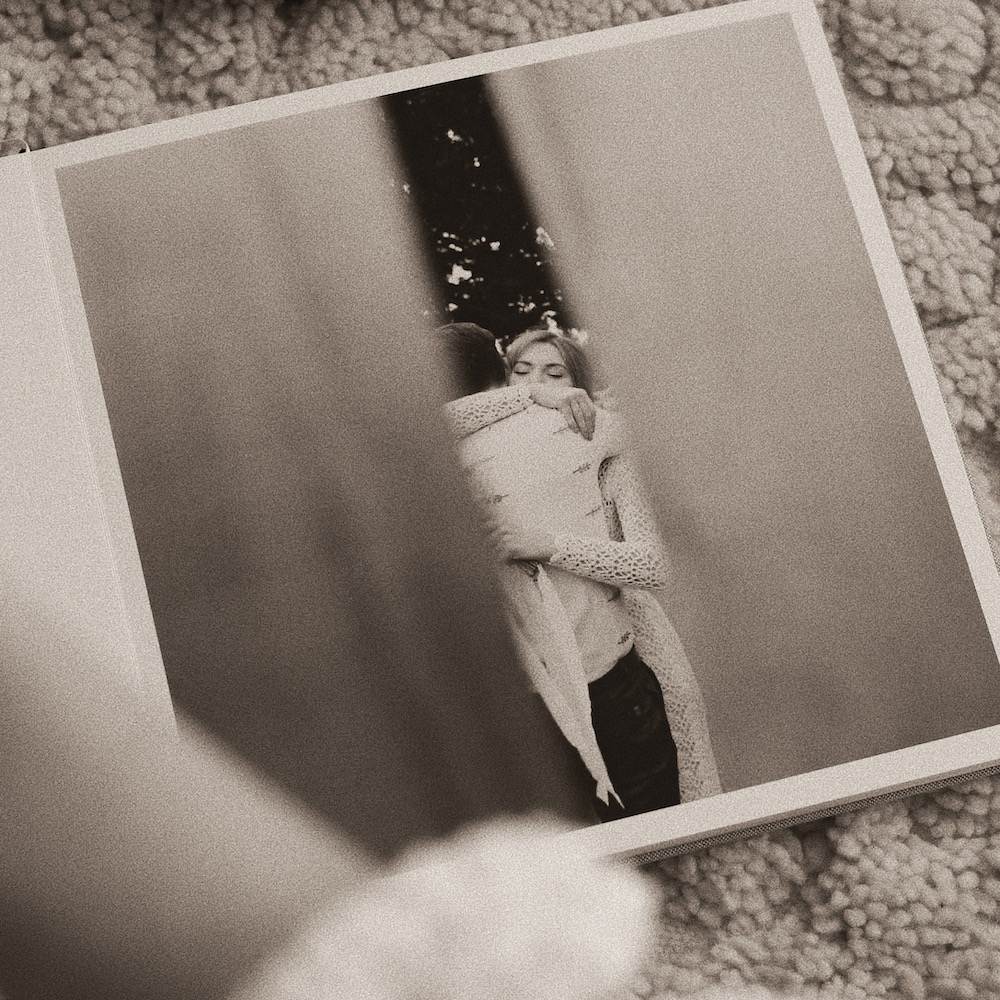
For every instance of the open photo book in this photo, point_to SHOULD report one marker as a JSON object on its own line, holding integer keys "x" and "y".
{"x": 698, "y": 488}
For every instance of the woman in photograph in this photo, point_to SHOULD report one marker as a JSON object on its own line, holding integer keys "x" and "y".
{"x": 574, "y": 511}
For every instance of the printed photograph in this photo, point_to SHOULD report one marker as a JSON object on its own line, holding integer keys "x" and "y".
{"x": 557, "y": 407}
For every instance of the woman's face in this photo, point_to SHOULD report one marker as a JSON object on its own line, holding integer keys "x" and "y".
{"x": 541, "y": 362}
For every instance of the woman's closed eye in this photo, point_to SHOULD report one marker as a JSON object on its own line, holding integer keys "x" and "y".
{"x": 523, "y": 368}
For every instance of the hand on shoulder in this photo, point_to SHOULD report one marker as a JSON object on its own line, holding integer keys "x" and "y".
{"x": 578, "y": 409}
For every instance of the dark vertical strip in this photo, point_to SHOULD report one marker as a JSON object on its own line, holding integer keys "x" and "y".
{"x": 322, "y": 597}
{"x": 488, "y": 259}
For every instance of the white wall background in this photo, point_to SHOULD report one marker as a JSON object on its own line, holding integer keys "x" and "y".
{"x": 705, "y": 237}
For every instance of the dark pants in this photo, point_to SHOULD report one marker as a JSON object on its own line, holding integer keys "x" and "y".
{"x": 634, "y": 737}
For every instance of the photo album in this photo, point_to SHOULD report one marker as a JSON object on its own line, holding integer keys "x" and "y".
{"x": 567, "y": 402}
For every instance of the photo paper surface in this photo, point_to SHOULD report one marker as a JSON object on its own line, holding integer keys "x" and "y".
{"x": 249, "y": 300}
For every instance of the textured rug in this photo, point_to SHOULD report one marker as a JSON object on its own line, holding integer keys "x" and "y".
{"x": 899, "y": 900}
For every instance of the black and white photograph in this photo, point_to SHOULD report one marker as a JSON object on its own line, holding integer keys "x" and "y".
{"x": 542, "y": 418}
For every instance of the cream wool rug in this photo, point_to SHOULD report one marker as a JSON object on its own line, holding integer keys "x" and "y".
{"x": 895, "y": 901}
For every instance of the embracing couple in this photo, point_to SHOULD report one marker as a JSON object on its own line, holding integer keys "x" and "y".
{"x": 581, "y": 555}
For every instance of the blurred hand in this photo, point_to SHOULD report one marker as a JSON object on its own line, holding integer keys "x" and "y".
{"x": 509, "y": 910}
{"x": 524, "y": 543}
{"x": 574, "y": 404}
